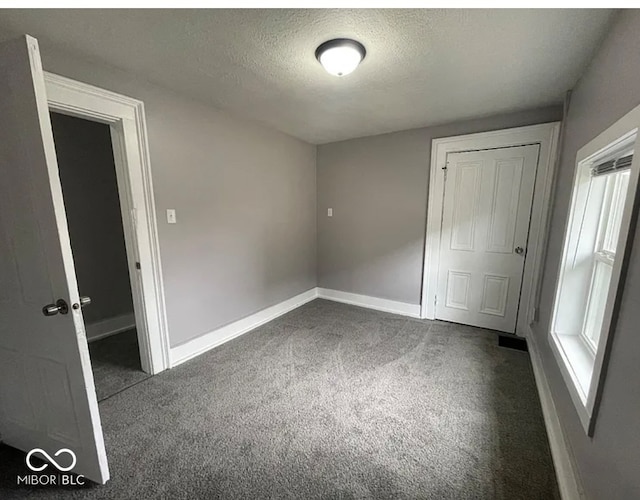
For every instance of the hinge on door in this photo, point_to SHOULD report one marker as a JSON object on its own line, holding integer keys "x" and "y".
{"x": 134, "y": 217}
{"x": 138, "y": 265}
{"x": 446, "y": 163}
{"x": 435, "y": 301}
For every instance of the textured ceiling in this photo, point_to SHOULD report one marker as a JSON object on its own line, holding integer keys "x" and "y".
{"x": 423, "y": 67}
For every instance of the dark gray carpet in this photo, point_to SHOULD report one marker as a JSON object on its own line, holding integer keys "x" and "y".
{"x": 115, "y": 362}
{"x": 330, "y": 401}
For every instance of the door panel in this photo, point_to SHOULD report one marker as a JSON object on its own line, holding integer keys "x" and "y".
{"x": 458, "y": 290}
{"x": 494, "y": 295}
{"x": 486, "y": 212}
{"x": 467, "y": 187}
{"x": 504, "y": 206}
{"x": 47, "y": 395}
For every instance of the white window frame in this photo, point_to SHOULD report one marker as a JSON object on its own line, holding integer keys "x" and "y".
{"x": 581, "y": 366}
{"x": 601, "y": 254}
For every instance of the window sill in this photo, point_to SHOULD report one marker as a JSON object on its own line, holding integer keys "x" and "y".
{"x": 581, "y": 361}
{"x": 576, "y": 362}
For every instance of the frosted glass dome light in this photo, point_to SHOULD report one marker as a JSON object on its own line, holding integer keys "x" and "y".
{"x": 340, "y": 56}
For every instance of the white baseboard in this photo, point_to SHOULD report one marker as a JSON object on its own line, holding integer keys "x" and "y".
{"x": 568, "y": 481}
{"x": 204, "y": 343}
{"x": 110, "y": 326}
{"x": 392, "y": 306}
{"x": 199, "y": 345}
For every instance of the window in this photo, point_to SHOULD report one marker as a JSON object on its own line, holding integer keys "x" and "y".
{"x": 593, "y": 259}
{"x": 604, "y": 255}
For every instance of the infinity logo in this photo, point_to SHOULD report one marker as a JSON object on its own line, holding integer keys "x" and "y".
{"x": 50, "y": 459}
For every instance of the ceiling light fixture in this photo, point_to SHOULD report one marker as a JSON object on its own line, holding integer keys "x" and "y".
{"x": 340, "y": 56}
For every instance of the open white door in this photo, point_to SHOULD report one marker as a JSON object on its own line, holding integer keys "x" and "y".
{"x": 485, "y": 228}
{"x": 47, "y": 395}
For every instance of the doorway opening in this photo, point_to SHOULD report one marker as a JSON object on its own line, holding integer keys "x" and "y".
{"x": 47, "y": 389}
{"x": 122, "y": 119}
{"x": 87, "y": 173}
{"x": 459, "y": 282}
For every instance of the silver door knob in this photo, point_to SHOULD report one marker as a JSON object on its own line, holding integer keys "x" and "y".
{"x": 519, "y": 250}
{"x": 59, "y": 307}
{"x": 84, "y": 301}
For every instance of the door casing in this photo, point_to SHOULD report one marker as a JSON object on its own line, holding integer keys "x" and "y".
{"x": 126, "y": 119}
{"x": 546, "y": 135}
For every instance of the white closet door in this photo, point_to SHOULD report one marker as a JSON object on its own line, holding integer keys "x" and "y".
{"x": 485, "y": 225}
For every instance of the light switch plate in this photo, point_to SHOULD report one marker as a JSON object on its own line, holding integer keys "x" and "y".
{"x": 171, "y": 216}
{"x": 330, "y": 212}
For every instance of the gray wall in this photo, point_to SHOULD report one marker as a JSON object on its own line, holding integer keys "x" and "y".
{"x": 377, "y": 186}
{"x": 610, "y": 461}
{"x": 245, "y": 200}
{"x": 89, "y": 185}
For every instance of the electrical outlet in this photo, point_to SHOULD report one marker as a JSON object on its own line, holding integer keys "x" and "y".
{"x": 330, "y": 212}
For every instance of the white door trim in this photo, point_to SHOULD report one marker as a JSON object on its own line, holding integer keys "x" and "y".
{"x": 546, "y": 135}
{"x": 126, "y": 119}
